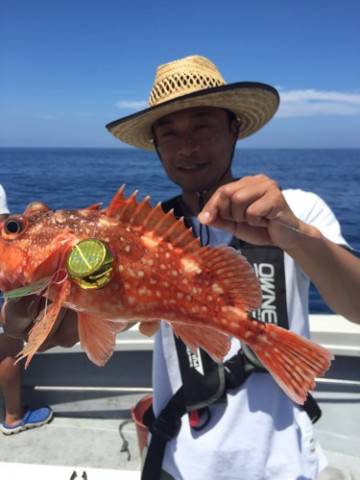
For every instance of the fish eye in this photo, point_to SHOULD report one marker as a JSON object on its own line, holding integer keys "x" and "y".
{"x": 13, "y": 226}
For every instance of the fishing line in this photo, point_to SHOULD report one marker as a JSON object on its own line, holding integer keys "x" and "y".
{"x": 279, "y": 222}
{"x": 204, "y": 242}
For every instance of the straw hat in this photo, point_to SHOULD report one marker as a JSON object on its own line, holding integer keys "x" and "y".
{"x": 196, "y": 82}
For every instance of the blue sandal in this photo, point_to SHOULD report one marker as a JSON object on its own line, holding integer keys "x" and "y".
{"x": 31, "y": 419}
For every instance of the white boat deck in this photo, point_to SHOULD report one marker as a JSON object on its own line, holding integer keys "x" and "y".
{"x": 90, "y": 406}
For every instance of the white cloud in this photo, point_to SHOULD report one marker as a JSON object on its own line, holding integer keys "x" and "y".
{"x": 310, "y": 102}
{"x": 132, "y": 104}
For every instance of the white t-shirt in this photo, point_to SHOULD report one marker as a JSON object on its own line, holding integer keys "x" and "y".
{"x": 3, "y": 209}
{"x": 261, "y": 434}
{"x": 3, "y": 202}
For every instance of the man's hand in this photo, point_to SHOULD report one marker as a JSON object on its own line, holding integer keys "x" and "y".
{"x": 255, "y": 210}
{"x": 18, "y": 316}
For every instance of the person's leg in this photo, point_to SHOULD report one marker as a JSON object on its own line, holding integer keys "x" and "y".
{"x": 16, "y": 419}
{"x": 10, "y": 379}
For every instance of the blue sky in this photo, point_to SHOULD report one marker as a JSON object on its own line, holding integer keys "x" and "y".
{"x": 67, "y": 68}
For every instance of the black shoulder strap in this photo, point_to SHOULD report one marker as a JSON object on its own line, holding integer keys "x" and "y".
{"x": 163, "y": 428}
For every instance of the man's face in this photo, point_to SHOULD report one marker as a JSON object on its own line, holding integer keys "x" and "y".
{"x": 195, "y": 147}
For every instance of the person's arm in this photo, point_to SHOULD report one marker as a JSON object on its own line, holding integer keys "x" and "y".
{"x": 18, "y": 316}
{"x": 255, "y": 210}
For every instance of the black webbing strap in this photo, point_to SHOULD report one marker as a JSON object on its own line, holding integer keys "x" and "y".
{"x": 312, "y": 408}
{"x": 163, "y": 428}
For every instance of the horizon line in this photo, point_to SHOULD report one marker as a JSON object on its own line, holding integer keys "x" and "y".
{"x": 129, "y": 147}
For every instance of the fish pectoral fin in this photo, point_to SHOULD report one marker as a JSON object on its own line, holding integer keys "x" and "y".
{"x": 46, "y": 323}
{"x": 215, "y": 343}
{"x": 97, "y": 336}
{"x": 149, "y": 328}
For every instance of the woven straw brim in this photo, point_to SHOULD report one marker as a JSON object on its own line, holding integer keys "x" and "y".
{"x": 254, "y": 104}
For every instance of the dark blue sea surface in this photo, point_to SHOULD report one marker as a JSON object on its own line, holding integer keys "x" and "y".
{"x": 75, "y": 178}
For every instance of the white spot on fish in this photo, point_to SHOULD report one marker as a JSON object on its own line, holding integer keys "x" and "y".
{"x": 121, "y": 268}
{"x": 143, "y": 291}
{"x": 204, "y": 309}
{"x": 149, "y": 241}
{"x": 190, "y": 266}
{"x": 131, "y": 300}
{"x": 152, "y": 281}
{"x": 127, "y": 249}
{"x": 59, "y": 218}
{"x": 180, "y": 295}
{"x": 217, "y": 289}
{"x": 162, "y": 266}
{"x": 158, "y": 293}
{"x": 174, "y": 273}
{"x": 140, "y": 273}
{"x": 148, "y": 261}
{"x": 104, "y": 222}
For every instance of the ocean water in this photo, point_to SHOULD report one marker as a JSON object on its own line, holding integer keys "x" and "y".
{"x": 75, "y": 178}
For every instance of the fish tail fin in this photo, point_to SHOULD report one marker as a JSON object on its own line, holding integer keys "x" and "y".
{"x": 293, "y": 361}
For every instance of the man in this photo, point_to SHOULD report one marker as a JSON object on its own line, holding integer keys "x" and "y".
{"x": 17, "y": 419}
{"x": 193, "y": 123}
{"x": 248, "y": 429}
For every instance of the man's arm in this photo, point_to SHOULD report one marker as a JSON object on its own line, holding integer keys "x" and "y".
{"x": 255, "y": 210}
{"x": 334, "y": 271}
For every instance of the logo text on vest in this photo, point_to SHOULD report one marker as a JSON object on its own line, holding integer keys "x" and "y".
{"x": 195, "y": 360}
{"x": 266, "y": 275}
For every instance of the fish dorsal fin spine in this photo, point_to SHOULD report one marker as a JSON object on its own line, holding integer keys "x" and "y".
{"x": 126, "y": 210}
{"x": 163, "y": 225}
{"x": 154, "y": 217}
{"x": 94, "y": 206}
{"x": 117, "y": 204}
